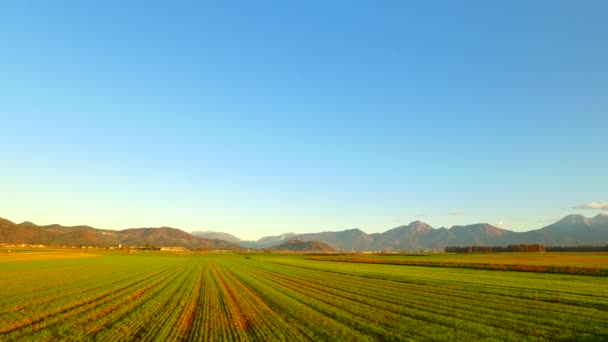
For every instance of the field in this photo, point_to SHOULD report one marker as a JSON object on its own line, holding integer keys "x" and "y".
{"x": 119, "y": 296}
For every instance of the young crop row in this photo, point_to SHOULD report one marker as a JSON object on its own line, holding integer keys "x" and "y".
{"x": 455, "y": 306}
{"x": 69, "y": 312}
{"x": 579, "y": 291}
{"x": 206, "y": 297}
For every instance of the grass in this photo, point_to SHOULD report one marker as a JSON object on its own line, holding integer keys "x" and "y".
{"x": 113, "y": 295}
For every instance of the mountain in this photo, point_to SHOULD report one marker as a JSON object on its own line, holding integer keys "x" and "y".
{"x": 303, "y": 246}
{"x": 413, "y": 235}
{"x": 57, "y": 235}
{"x": 477, "y": 234}
{"x": 599, "y": 219}
{"x": 572, "y": 230}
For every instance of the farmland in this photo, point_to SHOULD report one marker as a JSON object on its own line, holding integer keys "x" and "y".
{"x": 114, "y": 295}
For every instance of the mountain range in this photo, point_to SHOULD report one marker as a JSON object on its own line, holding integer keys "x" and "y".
{"x": 57, "y": 235}
{"x": 572, "y": 230}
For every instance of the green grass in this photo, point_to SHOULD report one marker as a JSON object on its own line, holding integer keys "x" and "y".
{"x": 113, "y": 295}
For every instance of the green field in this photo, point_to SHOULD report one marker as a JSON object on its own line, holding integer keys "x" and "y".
{"x": 117, "y": 296}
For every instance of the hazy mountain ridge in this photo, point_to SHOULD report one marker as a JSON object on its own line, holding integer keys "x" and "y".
{"x": 303, "y": 246}
{"x": 57, "y": 235}
{"x": 265, "y": 242}
{"x": 208, "y": 234}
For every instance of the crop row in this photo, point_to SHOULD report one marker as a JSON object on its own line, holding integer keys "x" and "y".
{"x": 450, "y": 305}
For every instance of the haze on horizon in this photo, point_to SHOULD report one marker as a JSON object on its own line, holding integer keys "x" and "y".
{"x": 265, "y": 118}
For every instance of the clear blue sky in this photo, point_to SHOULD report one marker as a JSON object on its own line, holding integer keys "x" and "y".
{"x": 263, "y": 117}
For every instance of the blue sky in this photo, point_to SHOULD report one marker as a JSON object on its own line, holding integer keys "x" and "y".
{"x": 263, "y": 117}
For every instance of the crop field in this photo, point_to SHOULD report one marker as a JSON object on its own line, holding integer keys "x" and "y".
{"x": 116, "y": 296}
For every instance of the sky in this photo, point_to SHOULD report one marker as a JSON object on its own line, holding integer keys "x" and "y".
{"x": 264, "y": 117}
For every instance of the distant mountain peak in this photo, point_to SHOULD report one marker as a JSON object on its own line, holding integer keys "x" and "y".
{"x": 286, "y": 235}
{"x": 353, "y": 231}
{"x": 574, "y": 219}
{"x": 599, "y": 219}
{"x": 419, "y": 225}
{"x": 481, "y": 227}
{"x": 418, "y": 222}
